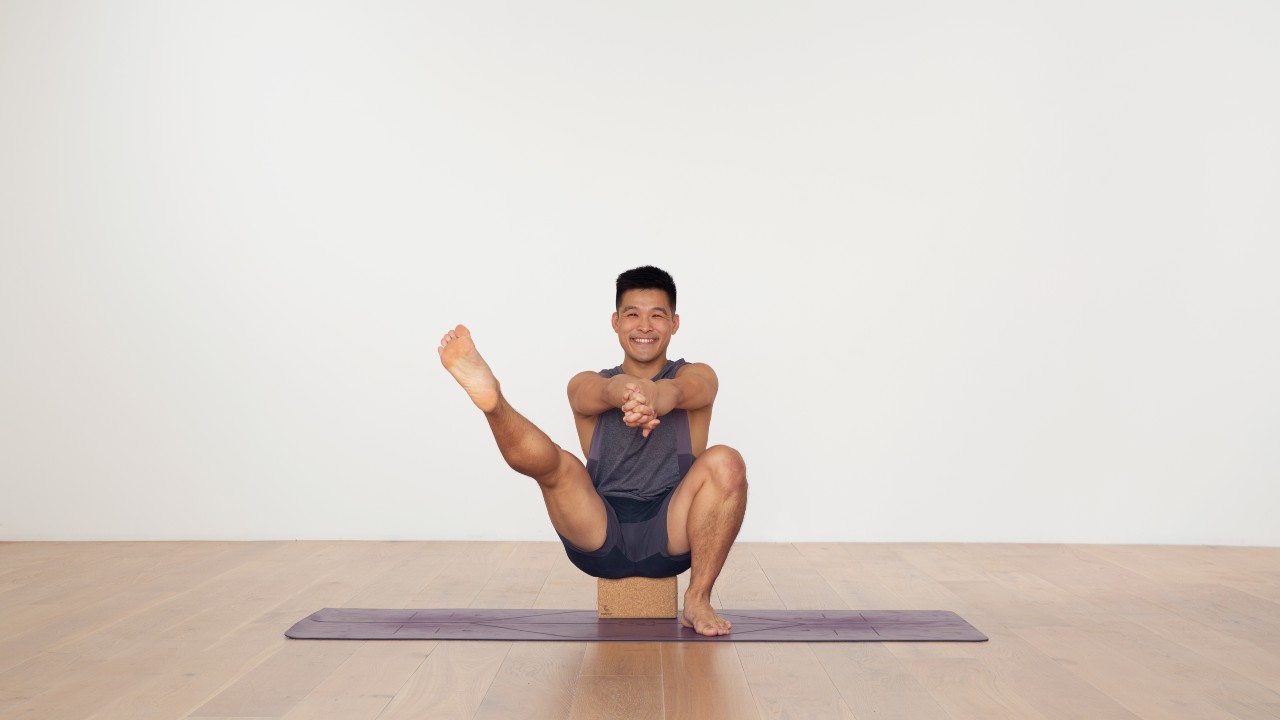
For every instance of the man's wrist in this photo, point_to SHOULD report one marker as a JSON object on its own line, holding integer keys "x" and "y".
{"x": 666, "y": 396}
{"x": 616, "y": 390}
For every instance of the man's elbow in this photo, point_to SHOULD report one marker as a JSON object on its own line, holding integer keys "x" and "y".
{"x": 588, "y": 395}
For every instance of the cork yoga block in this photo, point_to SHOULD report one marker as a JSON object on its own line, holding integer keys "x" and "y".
{"x": 636, "y": 597}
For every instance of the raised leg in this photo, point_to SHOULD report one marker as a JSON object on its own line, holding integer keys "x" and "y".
{"x": 576, "y": 510}
{"x": 704, "y": 517}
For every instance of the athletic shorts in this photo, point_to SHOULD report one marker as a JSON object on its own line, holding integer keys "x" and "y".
{"x": 635, "y": 543}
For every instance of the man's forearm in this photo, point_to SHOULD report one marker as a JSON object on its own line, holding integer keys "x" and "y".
{"x": 667, "y": 397}
{"x": 614, "y": 392}
{"x": 663, "y": 395}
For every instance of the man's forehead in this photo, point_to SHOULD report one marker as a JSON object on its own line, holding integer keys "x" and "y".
{"x": 643, "y": 307}
{"x": 638, "y": 299}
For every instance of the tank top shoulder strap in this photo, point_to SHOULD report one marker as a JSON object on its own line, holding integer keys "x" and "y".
{"x": 668, "y": 371}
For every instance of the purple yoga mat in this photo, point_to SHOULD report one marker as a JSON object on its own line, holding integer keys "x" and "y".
{"x": 748, "y": 626}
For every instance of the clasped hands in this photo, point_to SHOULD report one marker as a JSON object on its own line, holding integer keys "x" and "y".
{"x": 638, "y": 411}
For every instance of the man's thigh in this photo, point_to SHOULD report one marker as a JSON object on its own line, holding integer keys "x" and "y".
{"x": 717, "y": 459}
{"x": 576, "y": 509}
{"x": 682, "y": 500}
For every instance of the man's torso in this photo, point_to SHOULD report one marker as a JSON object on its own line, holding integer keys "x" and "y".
{"x": 608, "y": 468}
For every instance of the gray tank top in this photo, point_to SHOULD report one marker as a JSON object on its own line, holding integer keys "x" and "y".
{"x": 624, "y": 463}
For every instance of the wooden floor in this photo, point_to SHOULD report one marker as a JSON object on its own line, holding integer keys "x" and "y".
{"x": 195, "y": 630}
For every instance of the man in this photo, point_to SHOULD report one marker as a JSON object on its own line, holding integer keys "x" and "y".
{"x": 652, "y": 498}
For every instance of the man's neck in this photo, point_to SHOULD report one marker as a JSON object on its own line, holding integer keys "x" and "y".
{"x": 644, "y": 370}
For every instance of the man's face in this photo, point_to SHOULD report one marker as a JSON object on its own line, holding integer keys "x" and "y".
{"x": 645, "y": 324}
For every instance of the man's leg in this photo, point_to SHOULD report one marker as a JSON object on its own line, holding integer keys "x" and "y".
{"x": 576, "y": 510}
{"x": 704, "y": 516}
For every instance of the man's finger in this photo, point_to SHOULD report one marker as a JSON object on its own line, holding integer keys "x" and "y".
{"x": 650, "y": 427}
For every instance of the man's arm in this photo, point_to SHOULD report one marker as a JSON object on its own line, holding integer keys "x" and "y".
{"x": 590, "y": 393}
{"x": 643, "y": 401}
{"x": 694, "y": 387}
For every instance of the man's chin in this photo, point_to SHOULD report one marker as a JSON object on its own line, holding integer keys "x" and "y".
{"x": 643, "y": 358}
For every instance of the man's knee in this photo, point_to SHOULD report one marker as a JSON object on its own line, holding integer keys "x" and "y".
{"x": 728, "y": 469}
{"x": 558, "y": 472}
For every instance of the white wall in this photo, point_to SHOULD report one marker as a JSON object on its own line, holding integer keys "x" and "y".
{"x": 981, "y": 271}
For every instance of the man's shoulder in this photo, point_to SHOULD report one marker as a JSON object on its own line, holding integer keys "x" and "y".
{"x": 698, "y": 368}
{"x": 608, "y": 372}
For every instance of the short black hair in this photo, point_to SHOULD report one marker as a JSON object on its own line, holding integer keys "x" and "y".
{"x": 647, "y": 277}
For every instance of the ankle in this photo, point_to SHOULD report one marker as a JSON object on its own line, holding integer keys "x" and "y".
{"x": 500, "y": 407}
{"x": 697, "y": 597}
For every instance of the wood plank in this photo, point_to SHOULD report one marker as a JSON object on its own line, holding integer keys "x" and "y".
{"x": 787, "y": 681}
{"x": 83, "y": 648}
{"x": 1246, "y": 658}
{"x": 274, "y": 687}
{"x": 824, "y": 555}
{"x": 773, "y": 555}
{"x": 39, "y": 573}
{"x": 916, "y": 590}
{"x": 363, "y": 686}
{"x": 491, "y": 553}
{"x": 567, "y": 588}
{"x": 534, "y": 555}
{"x": 1133, "y": 685}
{"x": 1188, "y": 670}
{"x": 804, "y": 588}
{"x": 966, "y": 688}
{"x": 110, "y": 589}
{"x": 1040, "y": 682}
{"x": 623, "y": 658}
{"x": 1082, "y": 604}
{"x": 1233, "y": 612}
{"x": 874, "y": 683}
{"x": 705, "y": 681}
{"x": 451, "y": 683}
{"x": 627, "y": 697}
{"x": 399, "y": 585}
{"x": 936, "y": 562}
{"x": 511, "y": 587}
{"x": 255, "y": 688}
{"x": 746, "y": 588}
{"x": 860, "y": 590}
{"x": 456, "y": 586}
{"x": 1162, "y": 563}
{"x": 536, "y": 680}
{"x": 740, "y": 557}
{"x": 1098, "y": 631}
{"x": 237, "y": 717}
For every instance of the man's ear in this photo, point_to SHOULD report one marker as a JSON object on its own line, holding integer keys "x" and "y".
{"x": 614, "y": 321}
{"x": 675, "y": 323}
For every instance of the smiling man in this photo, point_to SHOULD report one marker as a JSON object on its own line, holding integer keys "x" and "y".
{"x": 652, "y": 499}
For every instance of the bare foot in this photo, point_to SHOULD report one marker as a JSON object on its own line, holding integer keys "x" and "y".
{"x": 459, "y": 356}
{"x": 699, "y": 615}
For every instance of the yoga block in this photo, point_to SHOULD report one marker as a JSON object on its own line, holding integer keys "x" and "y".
{"x": 636, "y": 597}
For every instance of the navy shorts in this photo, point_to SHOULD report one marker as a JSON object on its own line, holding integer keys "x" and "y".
{"x": 635, "y": 543}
